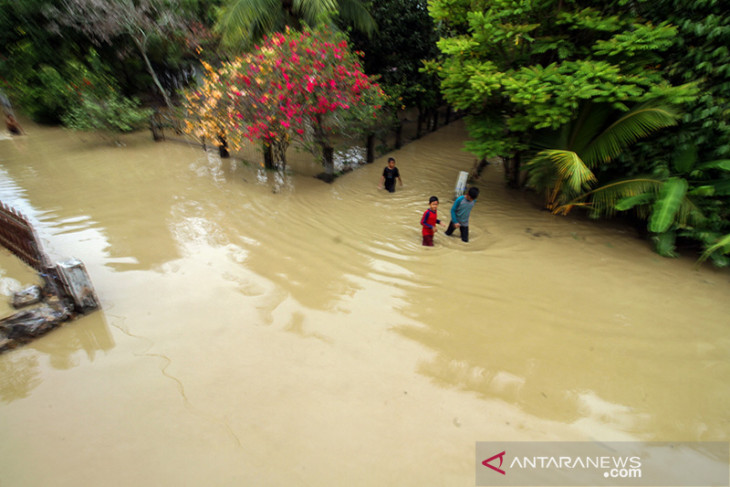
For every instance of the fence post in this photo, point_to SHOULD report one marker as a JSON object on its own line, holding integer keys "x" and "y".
{"x": 76, "y": 285}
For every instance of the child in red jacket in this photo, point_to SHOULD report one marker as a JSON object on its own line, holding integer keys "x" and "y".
{"x": 429, "y": 220}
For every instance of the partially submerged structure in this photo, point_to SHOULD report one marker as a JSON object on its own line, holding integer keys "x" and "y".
{"x": 65, "y": 294}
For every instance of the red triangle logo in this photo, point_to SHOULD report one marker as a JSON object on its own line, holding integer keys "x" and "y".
{"x": 496, "y": 469}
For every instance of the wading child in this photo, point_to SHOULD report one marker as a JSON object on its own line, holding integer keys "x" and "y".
{"x": 390, "y": 174}
{"x": 460, "y": 211}
{"x": 429, "y": 220}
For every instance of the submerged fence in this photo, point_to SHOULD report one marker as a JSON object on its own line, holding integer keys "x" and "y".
{"x": 18, "y": 236}
{"x": 68, "y": 281}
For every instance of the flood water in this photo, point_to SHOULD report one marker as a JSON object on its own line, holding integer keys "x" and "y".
{"x": 260, "y": 329}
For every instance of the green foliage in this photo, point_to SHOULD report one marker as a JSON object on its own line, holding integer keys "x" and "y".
{"x": 597, "y": 90}
{"x": 562, "y": 170}
{"x": 667, "y": 204}
{"x": 242, "y": 23}
{"x": 664, "y": 244}
{"x": 97, "y": 103}
{"x": 43, "y": 93}
{"x": 565, "y": 168}
{"x": 537, "y": 63}
{"x": 115, "y": 114}
{"x": 700, "y": 54}
{"x": 638, "y": 123}
{"x": 395, "y": 52}
{"x": 33, "y": 66}
{"x": 680, "y": 200}
{"x": 716, "y": 251}
{"x": 42, "y": 56}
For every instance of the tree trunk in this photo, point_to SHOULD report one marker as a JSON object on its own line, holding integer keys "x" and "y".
{"x": 419, "y": 124}
{"x": 279, "y": 153}
{"x": 223, "y": 147}
{"x": 156, "y": 125}
{"x": 268, "y": 156}
{"x": 514, "y": 171}
{"x": 151, "y": 71}
{"x": 435, "y": 120}
{"x": 448, "y": 115}
{"x": 328, "y": 160}
{"x": 370, "y": 147}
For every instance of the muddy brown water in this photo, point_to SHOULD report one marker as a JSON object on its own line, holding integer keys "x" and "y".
{"x": 267, "y": 329}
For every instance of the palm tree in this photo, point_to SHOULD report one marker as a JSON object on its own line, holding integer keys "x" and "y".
{"x": 563, "y": 170}
{"x": 244, "y": 22}
{"x": 670, "y": 200}
{"x": 673, "y": 198}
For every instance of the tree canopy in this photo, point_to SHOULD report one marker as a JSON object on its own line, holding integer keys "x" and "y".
{"x": 307, "y": 85}
{"x": 518, "y": 66}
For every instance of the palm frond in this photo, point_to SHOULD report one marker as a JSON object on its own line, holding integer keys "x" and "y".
{"x": 559, "y": 174}
{"x": 570, "y": 169}
{"x": 627, "y": 129}
{"x": 355, "y": 12}
{"x": 314, "y": 12}
{"x": 604, "y": 200}
{"x": 591, "y": 119}
{"x": 242, "y": 22}
{"x": 541, "y": 174}
{"x": 667, "y": 204}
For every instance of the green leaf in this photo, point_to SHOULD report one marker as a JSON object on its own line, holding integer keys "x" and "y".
{"x": 722, "y": 187}
{"x": 667, "y": 204}
{"x": 723, "y": 164}
{"x": 722, "y": 245}
{"x": 705, "y": 190}
{"x": 627, "y": 203}
{"x": 664, "y": 244}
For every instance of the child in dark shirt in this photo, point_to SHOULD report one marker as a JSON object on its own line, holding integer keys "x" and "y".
{"x": 390, "y": 174}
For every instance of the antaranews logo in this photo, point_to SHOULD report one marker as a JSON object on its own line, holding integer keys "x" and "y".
{"x": 487, "y": 462}
{"x": 594, "y": 464}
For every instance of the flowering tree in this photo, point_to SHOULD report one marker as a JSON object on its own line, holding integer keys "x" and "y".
{"x": 207, "y": 109}
{"x": 305, "y": 85}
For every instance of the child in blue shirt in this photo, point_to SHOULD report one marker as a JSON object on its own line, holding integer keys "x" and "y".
{"x": 460, "y": 211}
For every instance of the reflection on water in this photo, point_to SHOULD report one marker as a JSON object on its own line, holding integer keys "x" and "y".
{"x": 65, "y": 348}
{"x": 265, "y": 327}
